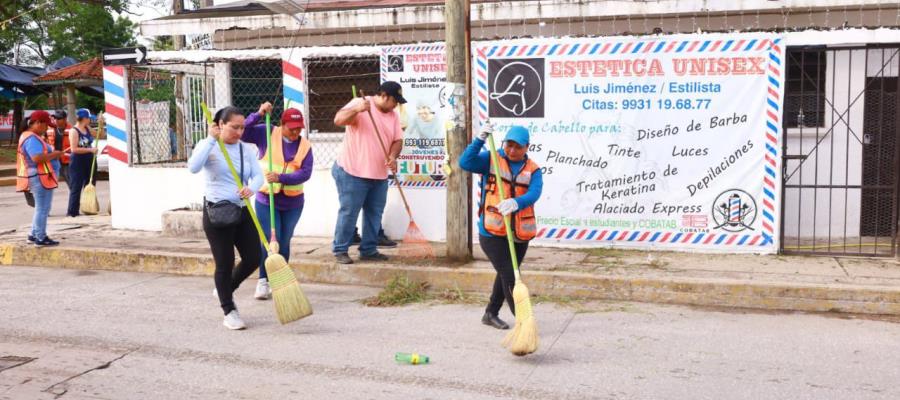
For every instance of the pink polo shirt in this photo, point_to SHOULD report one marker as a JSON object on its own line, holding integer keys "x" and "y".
{"x": 361, "y": 154}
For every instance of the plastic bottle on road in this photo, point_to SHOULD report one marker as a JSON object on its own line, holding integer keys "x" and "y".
{"x": 411, "y": 358}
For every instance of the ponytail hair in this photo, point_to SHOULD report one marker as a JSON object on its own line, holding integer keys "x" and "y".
{"x": 224, "y": 114}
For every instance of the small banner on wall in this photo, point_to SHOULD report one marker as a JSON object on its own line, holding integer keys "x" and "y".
{"x": 425, "y": 118}
{"x": 668, "y": 142}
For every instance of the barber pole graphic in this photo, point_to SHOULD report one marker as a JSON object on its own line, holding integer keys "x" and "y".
{"x": 116, "y": 114}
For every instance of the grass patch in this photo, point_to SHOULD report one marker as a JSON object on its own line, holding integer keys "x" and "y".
{"x": 401, "y": 291}
{"x": 560, "y": 300}
{"x": 601, "y": 252}
{"x": 457, "y": 296}
{"x": 7, "y": 154}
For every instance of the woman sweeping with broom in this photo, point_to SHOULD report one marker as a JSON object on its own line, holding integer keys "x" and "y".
{"x": 293, "y": 164}
{"x": 82, "y": 160}
{"x": 506, "y": 223}
{"x": 226, "y": 221}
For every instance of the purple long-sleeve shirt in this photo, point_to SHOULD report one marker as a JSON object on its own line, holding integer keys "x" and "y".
{"x": 255, "y": 132}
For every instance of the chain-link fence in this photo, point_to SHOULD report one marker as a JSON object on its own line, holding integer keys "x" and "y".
{"x": 330, "y": 84}
{"x": 167, "y": 119}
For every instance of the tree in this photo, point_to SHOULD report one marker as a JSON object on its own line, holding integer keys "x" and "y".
{"x": 47, "y": 30}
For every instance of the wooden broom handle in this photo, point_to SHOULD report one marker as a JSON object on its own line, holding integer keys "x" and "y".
{"x": 386, "y": 154}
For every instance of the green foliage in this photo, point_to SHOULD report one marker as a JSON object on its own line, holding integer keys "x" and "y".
{"x": 58, "y": 28}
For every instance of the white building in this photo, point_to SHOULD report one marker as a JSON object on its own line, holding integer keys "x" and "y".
{"x": 840, "y": 98}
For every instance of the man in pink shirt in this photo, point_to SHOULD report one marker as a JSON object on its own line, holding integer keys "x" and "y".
{"x": 361, "y": 170}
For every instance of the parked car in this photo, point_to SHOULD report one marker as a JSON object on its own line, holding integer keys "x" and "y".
{"x": 102, "y": 156}
{"x": 102, "y": 160}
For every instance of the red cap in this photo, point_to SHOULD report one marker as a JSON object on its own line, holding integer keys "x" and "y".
{"x": 41, "y": 116}
{"x": 292, "y": 118}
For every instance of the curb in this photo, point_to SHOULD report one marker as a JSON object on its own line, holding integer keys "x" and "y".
{"x": 775, "y": 296}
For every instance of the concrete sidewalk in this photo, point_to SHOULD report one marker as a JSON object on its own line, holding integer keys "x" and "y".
{"x": 815, "y": 284}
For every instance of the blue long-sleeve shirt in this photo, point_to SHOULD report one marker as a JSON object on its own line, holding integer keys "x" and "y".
{"x": 477, "y": 161}
{"x": 220, "y": 183}
{"x": 255, "y": 133}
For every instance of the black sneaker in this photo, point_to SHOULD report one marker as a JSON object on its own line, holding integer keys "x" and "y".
{"x": 386, "y": 243}
{"x": 376, "y": 256}
{"x": 31, "y": 239}
{"x": 46, "y": 242}
{"x": 356, "y": 238}
{"x": 343, "y": 258}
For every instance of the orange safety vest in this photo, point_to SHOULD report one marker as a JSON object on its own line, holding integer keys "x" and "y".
{"x": 281, "y": 166}
{"x": 51, "y": 138}
{"x": 44, "y": 170}
{"x": 524, "y": 222}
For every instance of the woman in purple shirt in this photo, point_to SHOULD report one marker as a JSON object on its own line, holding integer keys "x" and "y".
{"x": 292, "y": 166}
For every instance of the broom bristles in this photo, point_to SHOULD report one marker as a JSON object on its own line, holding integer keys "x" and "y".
{"x": 290, "y": 302}
{"x": 523, "y": 339}
{"x": 89, "y": 203}
{"x": 414, "y": 244}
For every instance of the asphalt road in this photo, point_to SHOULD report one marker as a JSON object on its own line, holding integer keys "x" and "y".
{"x": 111, "y": 335}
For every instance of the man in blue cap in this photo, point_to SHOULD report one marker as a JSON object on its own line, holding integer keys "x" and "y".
{"x": 522, "y": 184}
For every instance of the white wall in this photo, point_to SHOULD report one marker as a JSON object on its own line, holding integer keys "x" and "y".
{"x": 140, "y": 195}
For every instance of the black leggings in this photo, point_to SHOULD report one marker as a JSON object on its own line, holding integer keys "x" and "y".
{"x": 497, "y": 250}
{"x": 222, "y": 242}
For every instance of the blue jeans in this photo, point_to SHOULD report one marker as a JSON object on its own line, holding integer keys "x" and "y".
{"x": 43, "y": 199}
{"x": 355, "y": 194}
{"x": 285, "y": 222}
{"x": 79, "y": 173}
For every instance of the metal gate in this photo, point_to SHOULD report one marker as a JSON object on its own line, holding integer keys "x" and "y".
{"x": 841, "y": 151}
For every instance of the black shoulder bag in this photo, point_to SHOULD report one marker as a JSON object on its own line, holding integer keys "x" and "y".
{"x": 225, "y": 214}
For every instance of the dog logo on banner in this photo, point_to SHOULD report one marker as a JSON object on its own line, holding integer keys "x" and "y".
{"x": 516, "y": 88}
{"x": 734, "y": 211}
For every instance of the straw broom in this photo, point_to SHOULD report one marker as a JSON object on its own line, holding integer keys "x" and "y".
{"x": 523, "y": 339}
{"x": 89, "y": 203}
{"x": 414, "y": 243}
{"x": 290, "y": 302}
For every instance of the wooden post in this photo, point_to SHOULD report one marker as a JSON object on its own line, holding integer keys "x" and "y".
{"x": 18, "y": 121}
{"x": 456, "y": 15}
{"x": 178, "y": 8}
{"x": 70, "y": 103}
{"x": 179, "y": 116}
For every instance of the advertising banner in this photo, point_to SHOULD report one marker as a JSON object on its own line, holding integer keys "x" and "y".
{"x": 422, "y": 71}
{"x": 670, "y": 142}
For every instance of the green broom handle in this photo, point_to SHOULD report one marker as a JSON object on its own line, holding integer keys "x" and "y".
{"x": 237, "y": 179}
{"x": 509, "y": 235}
{"x": 271, "y": 185}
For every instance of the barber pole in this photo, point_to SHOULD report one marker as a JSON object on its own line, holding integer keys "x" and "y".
{"x": 735, "y": 216}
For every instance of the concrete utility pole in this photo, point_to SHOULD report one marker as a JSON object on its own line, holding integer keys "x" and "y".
{"x": 459, "y": 183}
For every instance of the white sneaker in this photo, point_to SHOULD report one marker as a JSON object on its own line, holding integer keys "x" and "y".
{"x": 263, "y": 291}
{"x": 233, "y": 321}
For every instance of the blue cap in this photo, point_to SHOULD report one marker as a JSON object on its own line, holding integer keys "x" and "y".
{"x": 83, "y": 113}
{"x": 518, "y": 134}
